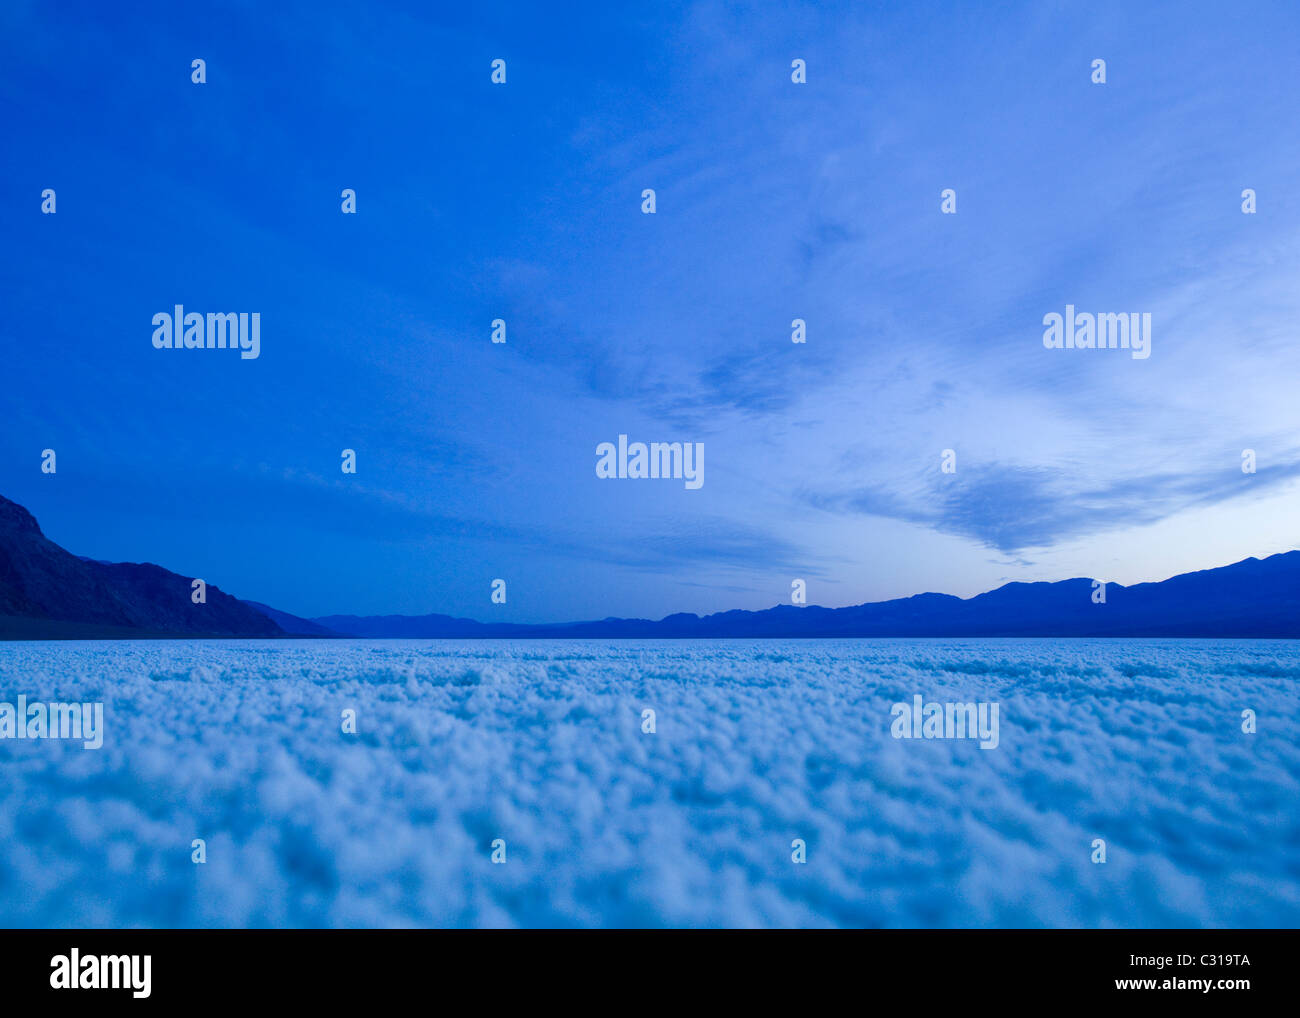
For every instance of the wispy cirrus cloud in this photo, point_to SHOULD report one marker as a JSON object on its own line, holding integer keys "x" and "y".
{"x": 1012, "y": 507}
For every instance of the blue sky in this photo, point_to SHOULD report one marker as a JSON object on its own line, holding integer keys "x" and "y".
{"x": 775, "y": 201}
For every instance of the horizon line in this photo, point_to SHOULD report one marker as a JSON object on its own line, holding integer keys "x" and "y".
{"x": 780, "y": 604}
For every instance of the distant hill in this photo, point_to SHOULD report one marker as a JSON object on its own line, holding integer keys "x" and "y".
{"x": 49, "y": 593}
{"x": 292, "y": 624}
{"x": 413, "y": 627}
{"x": 1251, "y": 598}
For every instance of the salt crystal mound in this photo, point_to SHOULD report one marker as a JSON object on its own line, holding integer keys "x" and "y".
{"x": 757, "y": 743}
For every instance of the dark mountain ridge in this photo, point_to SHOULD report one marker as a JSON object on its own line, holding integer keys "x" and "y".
{"x": 49, "y": 593}
{"x": 1252, "y": 598}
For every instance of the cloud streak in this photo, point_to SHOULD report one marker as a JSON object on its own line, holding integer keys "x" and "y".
{"x": 1012, "y": 508}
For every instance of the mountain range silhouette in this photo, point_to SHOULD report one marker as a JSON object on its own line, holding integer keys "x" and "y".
{"x": 49, "y": 593}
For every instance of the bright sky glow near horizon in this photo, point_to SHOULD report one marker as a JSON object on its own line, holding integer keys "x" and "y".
{"x": 775, "y": 201}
